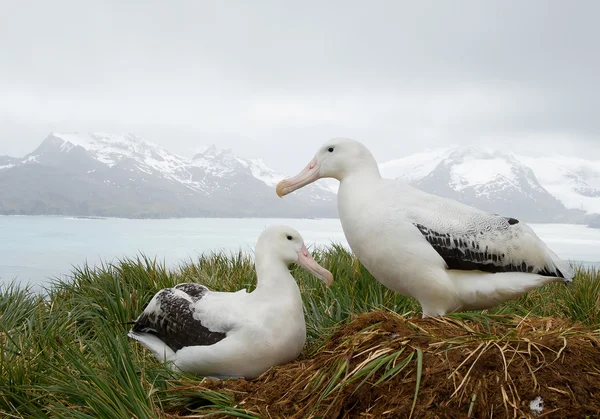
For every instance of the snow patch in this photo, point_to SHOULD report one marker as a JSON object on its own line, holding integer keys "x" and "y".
{"x": 473, "y": 172}
{"x": 415, "y": 166}
{"x": 264, "y": 173}
{"x": 74, "y": 138}
{"x": 573, "y": 181}
{"x": 66, "y": 146}
{"x": 31, "y": 159}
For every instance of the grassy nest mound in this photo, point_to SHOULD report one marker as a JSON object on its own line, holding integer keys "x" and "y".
{"x": 384, "y": 365}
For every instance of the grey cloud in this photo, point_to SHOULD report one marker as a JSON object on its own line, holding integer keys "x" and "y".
{"x": 275, "y": 79}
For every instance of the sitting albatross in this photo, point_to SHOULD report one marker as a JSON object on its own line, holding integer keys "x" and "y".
{"x": 234, "y": 334}
{"x": 447, "y": 255}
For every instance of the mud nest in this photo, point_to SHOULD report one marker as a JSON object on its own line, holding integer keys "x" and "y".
{"x": 383, "y": 365}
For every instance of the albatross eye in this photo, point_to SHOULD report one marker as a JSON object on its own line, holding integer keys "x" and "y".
{"x": 330, "y": 149}
{"x": 289, "y": 237}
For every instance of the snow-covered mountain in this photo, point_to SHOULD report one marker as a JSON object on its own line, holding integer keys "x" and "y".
{"x": 124, "y": 175}
{"x": 538, "y": 189}
{"x": 574, "y": 181}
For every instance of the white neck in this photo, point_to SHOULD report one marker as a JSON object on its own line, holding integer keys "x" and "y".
{"x": 356, "y": 186}
{"x": 273, "y": 275}
{"x": 366, "y": 169}
{"x": 358, "y": 178}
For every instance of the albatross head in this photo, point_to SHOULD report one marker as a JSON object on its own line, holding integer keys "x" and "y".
{"x": 337, "y": 158}
{"x": 288, "y": 245}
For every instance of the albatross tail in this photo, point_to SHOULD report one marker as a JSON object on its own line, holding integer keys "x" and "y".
{"x": 553, "y": 265}
{"x": 563, "y": 267}
{"x": 158, "y": 348}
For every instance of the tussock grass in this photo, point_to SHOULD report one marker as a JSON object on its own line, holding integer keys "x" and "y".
{"x": 66, "y": 354}
{"x": 385, "y": 365}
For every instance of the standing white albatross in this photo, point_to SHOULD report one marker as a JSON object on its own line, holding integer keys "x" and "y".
{"x": 234, "y": 334}
{"x": 447, "y": 255}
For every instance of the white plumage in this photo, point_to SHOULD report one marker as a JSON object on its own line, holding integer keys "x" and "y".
{"x": 447, "y": 255}
{"x": 240, "y": 334}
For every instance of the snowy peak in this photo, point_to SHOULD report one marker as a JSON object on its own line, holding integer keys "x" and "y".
{"x": 465, "y": 167}
{"x": 574, "y": 181}
{"x": 111, "y": 149}
{"x": 123, "y": 175}
{"x": 53, "y": 144}
{"x": 261, "y": 171}
{"x": 85, "y": 173}
{"x": 213, "y": 152}
{"x": 216, "y": 161}
{"x": 415, "y": 166}
{"x": 484, "y": 178}
{"x": 485, "y": 172}
{"x": 223, "y": 162}
{"x": 486, "y": 169}
{"x": 210, "y": 151}
{"x": 207, "y": 172}
{"x": 225, "y": 157}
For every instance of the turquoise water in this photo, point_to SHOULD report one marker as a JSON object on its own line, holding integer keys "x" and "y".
{"x": 35, "y": 249}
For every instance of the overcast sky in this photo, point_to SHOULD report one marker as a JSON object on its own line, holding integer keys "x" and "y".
{"x": 275, "y": 79}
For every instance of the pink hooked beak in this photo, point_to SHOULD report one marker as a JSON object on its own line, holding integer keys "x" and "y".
{"x": 306, "y": 176}
{"x": 307, "y": 262}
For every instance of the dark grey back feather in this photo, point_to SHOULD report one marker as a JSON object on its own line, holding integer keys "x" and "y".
{"x": 465, "y": 252}
{"x": 172, "y": 319}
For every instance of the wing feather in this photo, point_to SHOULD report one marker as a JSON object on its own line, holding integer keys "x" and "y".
{"x": 172, "y": 317}
{"x": 470, "y": 239}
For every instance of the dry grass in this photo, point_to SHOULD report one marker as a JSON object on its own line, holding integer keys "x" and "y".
{"x": 384, "y": 365}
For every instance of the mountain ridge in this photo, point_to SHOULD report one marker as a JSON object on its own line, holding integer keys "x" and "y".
{"x": 497, "y": 181}
{"x": 104, "y": 174}
{"x": 122, "y": 175}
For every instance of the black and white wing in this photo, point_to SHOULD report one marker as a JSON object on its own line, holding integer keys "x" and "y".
{"x": 171, "y": 317}
{"x": 469, "y": 239}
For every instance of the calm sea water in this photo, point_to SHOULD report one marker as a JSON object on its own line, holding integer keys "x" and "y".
{"x": 36, "y": 249}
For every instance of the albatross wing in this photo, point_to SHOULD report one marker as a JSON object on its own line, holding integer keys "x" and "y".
{"x": 172, "y": 318}
{"x": 470, "y": 239}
